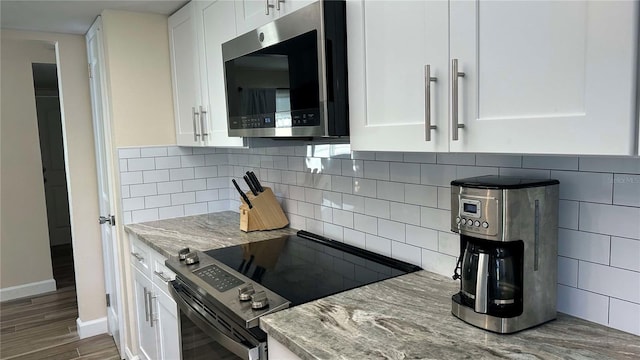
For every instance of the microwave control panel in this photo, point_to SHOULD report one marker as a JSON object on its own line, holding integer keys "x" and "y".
{"x": 282, "y": 119}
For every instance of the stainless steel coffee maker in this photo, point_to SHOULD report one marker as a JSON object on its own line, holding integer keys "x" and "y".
{"x": 507, "y": 266}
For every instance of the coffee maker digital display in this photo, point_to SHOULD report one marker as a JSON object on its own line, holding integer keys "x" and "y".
{"x": 508, "y": 252}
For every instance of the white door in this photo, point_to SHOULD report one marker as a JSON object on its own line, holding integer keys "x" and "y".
{"x": 545, "y": 76}
{"x": 390, "y": 44}
{"x": 251, "y": 14}
{"x": 169, "y": 334}
{"x": 185, "y": 73}
{"x": 215, "y": 25}
{"x": 55, "y": 183}
{"x": 102, "y": 131}
{"x": 143, "y": 289}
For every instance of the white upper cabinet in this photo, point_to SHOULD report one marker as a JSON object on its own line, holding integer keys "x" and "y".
{"x": 196, "y": 34}
{"x": 185, "y": 73}
{"x": 533, "y": 76}
{"x": 390, "y": 44}
{"x": 251, "y": 14}
{"x": 215, "y": 25}
{"x": 546, "y": 76}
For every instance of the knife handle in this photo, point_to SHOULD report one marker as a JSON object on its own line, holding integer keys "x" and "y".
{"x": 256, "y": 181}
{"x": 250, "y": 184}
{"x": 242, "y": 194}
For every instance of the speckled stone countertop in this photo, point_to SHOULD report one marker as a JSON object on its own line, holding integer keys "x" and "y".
{"x": 198, "y": 232}
{"x": 409, "y": 317}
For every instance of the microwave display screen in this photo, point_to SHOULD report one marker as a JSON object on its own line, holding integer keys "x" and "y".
{"x": 470, "y": 208}
{"x": 275, "y": 87}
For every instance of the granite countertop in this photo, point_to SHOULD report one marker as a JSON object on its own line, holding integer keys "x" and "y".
{"x": 409, "y": 317}
{"x": 198, "y": 232}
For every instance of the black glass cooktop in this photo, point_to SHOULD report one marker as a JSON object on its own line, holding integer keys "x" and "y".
{"x": 306, "y": 267}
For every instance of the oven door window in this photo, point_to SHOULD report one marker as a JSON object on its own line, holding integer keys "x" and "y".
{"x": 196, "y": 344}
{"x": 275, "y": 87}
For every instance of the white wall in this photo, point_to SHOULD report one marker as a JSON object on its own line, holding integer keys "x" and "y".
{"x": 24, "y": 232}
{"x": 80, "y": 167}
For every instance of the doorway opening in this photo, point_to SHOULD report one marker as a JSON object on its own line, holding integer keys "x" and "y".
{"x": 45, "y": 83}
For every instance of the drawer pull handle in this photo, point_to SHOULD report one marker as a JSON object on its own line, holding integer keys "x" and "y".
{"x": 160, "y": 274}
{"x": 137, "y": 256}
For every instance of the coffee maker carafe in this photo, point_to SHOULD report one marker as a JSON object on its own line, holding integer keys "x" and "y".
{"x": 508, "y": 251}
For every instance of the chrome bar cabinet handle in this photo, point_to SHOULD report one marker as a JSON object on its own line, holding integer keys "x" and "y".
{"x": 203, "y": 122}
{"x": 160, "y": 274}
{"x": 146, "y": 306}
{"x": 194, "y": 113}
{"x": 137, "y": 256}
{"x": 267, "y": 6}
{"x": 278, "y": 4}
{"x": 454, "y": 99}
{"x": 151, "y": 319}
{"x": 427, "y": 102}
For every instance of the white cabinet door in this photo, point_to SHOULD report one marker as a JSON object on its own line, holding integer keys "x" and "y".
{"x": 167, "y": 322}
{"x": 251, "y": 14}
{"x": 143, "y": 291}
{"x": 289, "y": 6}
{"x": 545, "y": 76}
{"x": 185, "y": 73}
{"x": 216, "y": 25}
{"x": 390, "y": 43}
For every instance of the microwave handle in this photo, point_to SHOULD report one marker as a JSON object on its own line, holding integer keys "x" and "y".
{"x": 193, "y": 311}
{"x": 482, "y": 279}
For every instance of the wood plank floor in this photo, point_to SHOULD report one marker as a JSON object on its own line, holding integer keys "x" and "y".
{"x": 44, "y": 327}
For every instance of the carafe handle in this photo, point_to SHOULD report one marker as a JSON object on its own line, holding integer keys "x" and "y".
{"x": 481, "y": 283}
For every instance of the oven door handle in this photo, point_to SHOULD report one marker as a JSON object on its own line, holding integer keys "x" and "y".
{"x": 190, "y": 310}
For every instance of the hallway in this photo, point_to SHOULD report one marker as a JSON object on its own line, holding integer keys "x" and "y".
{"x": 45, "y": 326}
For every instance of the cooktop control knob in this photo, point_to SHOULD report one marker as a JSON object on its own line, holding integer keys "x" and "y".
{"x": 182, "y": 254}
{"x": 245, "y": 292}
{"x": 259, "y": 300}
{"x": 191, "y": 258}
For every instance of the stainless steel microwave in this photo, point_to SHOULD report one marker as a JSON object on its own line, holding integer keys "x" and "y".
{"x": 288, "y": 78}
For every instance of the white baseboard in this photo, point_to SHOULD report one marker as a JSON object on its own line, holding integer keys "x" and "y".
{"x": 31, "y": 289}
{"x": 92, "y": 327}
{"x": 130, "y": 355}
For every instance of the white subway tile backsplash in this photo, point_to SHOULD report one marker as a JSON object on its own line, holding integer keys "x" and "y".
{"x": 169, "y": 162}
{"x": 406, "y": 213}
{"x": 181, "y": 174}
{"x": 169, "y": 187}
{"x": 378, "y": 208}
{"x": 141, "y": 164}
{"x": 435, "y": 218}
{"x": 143, "y": 190}
{"x": 438, "y": 175}
{"x": 138, "y": 216}
{"x": 405, "y": 172}
{"x": 422, "y": 237}
{"x": 605, "y": 280}
{"x": 456, "y": 159}
{"x": 584, "y": 186}
{"x": 377, "y": 244}
{"x": 135, "y": 203}
{"x": 154, "y": 176}
{"x": 622, "y": 165}
{"x": 127, "y": 178}
{"x": 421, "y": 195}
{"x": 378, "y": 170}
{"x": 550, "y": 162}
{"x": 183, "y": 198}
{"x": 568, "y": 214}
{"x": 128, "y": 153}
{"x": 391, "y": 230}
{"x": 567, "y": 271}
{"x": 625, "y": 253}
{"x": 624, "y": 316}
{"x": 398, "y": 204}
{"x": 584, "y": 246}
{"x": 393, "y": 191}
{"x": 408, "y": 253}
{"x": 364, "y": 223}
{"x": 510, "y": 161}
{"x": 170, "y": 212}
{"x": 153, "y": 151}
{"x": 583, "y": 304}
{"x": 626, "y": 190}
{"x": 610, "y": 219}
{"x": 156, "y": 201}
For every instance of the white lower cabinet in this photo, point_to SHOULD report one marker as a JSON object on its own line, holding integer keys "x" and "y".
{"x": 279, "y": 351}
{"x": 156, "y": 312}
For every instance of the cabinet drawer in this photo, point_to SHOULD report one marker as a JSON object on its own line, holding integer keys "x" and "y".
{"x": 161, "y": 274}
{"x": 140, "y": 256}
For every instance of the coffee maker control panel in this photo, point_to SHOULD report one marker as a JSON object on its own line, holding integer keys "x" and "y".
{"x": 476, "y": 214}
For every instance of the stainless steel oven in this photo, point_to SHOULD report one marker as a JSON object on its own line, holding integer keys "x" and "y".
{"x": 222, "y": 293}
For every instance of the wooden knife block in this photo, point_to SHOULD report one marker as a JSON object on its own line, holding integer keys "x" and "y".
{"x": 266, "y": 213}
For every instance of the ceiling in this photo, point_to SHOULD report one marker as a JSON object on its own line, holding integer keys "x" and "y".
{"x": 72, "y": 17}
